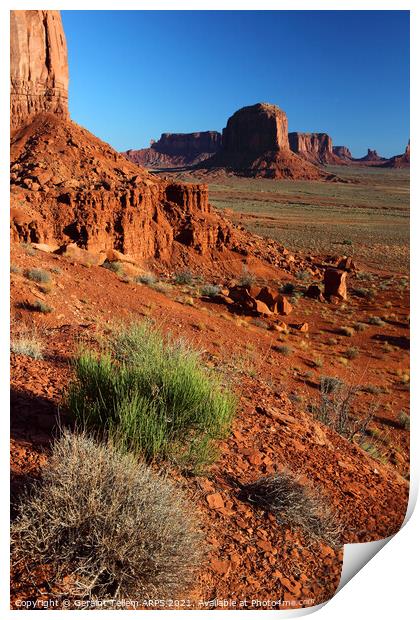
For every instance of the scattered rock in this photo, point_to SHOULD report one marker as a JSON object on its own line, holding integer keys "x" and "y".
{"x": 335, "y": 283}
{"x": 215, "y": 501}
{"x": 284, "y": 307}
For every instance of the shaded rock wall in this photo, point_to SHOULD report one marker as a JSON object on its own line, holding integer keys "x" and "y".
{"x": 38, "y": 65}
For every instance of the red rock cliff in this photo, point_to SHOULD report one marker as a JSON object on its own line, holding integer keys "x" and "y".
{"x": 175, "y": 150}
{"x": 38, "y": 65}
{"x": 315, "y": 147}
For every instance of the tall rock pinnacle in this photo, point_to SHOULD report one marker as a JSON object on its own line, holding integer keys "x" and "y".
{"x": 38, "y": 65}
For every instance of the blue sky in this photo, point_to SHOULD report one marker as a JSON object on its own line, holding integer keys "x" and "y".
{"x": 136, "y": 74}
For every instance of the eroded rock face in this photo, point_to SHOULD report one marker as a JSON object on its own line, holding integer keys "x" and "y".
{"x": 255, "y": 143}
{"x": 38, "y": 65}
{"x": 92, "y": 196}
{"x": 399, "y": 161}
{"x": 343, "y": 152}
{"x": 372, "y": 155}
{"x": 256, "y": 129}
{"x": 315, "y": 147}
{"x": 175, "y": 150}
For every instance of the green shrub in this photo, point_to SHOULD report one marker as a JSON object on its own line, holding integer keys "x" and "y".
{"x": 184, "y": 277}
{"x": 37, "y": 306}
{"x": 108, "y": 524}
{"x": 14, "y": 268}
{"x": 37, "y": 275}
{"x": 288, "y": 288}
{"x": 152, "y": 395}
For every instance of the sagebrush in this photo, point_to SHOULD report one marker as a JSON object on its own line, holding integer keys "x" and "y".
{"x": 106, "y": 526}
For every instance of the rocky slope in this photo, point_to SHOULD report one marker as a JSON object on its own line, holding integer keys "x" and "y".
{"x": 315, "y": 147}
{"x": 38, "y": 65}
{"x": 255, "y": 143}
{"x": 92, "y": 196}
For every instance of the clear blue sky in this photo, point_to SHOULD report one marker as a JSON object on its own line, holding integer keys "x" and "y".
{"x": 136, "y": 74}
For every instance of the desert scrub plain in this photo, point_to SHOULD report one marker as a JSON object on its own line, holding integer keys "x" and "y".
{"x": 367, "y": 218}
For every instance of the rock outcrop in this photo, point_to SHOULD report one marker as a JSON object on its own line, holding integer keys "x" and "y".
{"x": 315, "y": 147}
{"x": 255, "y": 143}
{"x": 343, "y": 153}
{"x": 38, "y": 65}
{"x": 335, "y": 284}
{"x": 372, "y": 156}
{"x": 176, "y": 150}
{"x": 70, "y": 187}
{"x": 399, "y": 161}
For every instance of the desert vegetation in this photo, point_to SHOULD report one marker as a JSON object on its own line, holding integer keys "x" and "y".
{"x": 152, "y": 395}
{"x": 106, "y": 525}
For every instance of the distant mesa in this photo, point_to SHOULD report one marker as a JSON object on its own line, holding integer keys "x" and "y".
{"x": 38, "y": 65}
{"x": 175, "y": 150}
{"x": 315, "y": 147}
{"x": 343, "y": 153}
{"x": 255, "y": 143}
{"x": 399, "y": 161}
{"x": 372, "y": 156}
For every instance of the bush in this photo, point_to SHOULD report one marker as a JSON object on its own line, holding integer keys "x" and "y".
{"x": 27, "y": 345}
{"x": 14, "y": 268}
{"x": 152, "y": 395}
{"x": 108, "y": 524}
{"x": 351, "y": 353}
{"x": 294, "y": 504}
{"x": 283, "y": 349}
{"x": 247, "y": 278}
{"x": 334, "y": 408}
{"x": 346, "y": 331}
{"x": 38, "y": 306}
{"x": 146, "y": 278}
{"x": 184, "y": 277}
{"x": 288, "y": 288}
{"x": 37, "y": 275}
{"x": 376, "y": 320}
{"x": 404, "y": 420}
{"x": 210, "y": 290}
{"x": 114, "y": 266}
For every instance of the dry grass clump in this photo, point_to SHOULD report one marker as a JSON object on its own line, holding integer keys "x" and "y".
{"x": 295, "y": 504}
{"x": 27, "y": 344}
{"x": 37, "y": 275}
{"x": 335, "y": 408}
{"x": 106, "y": 526}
